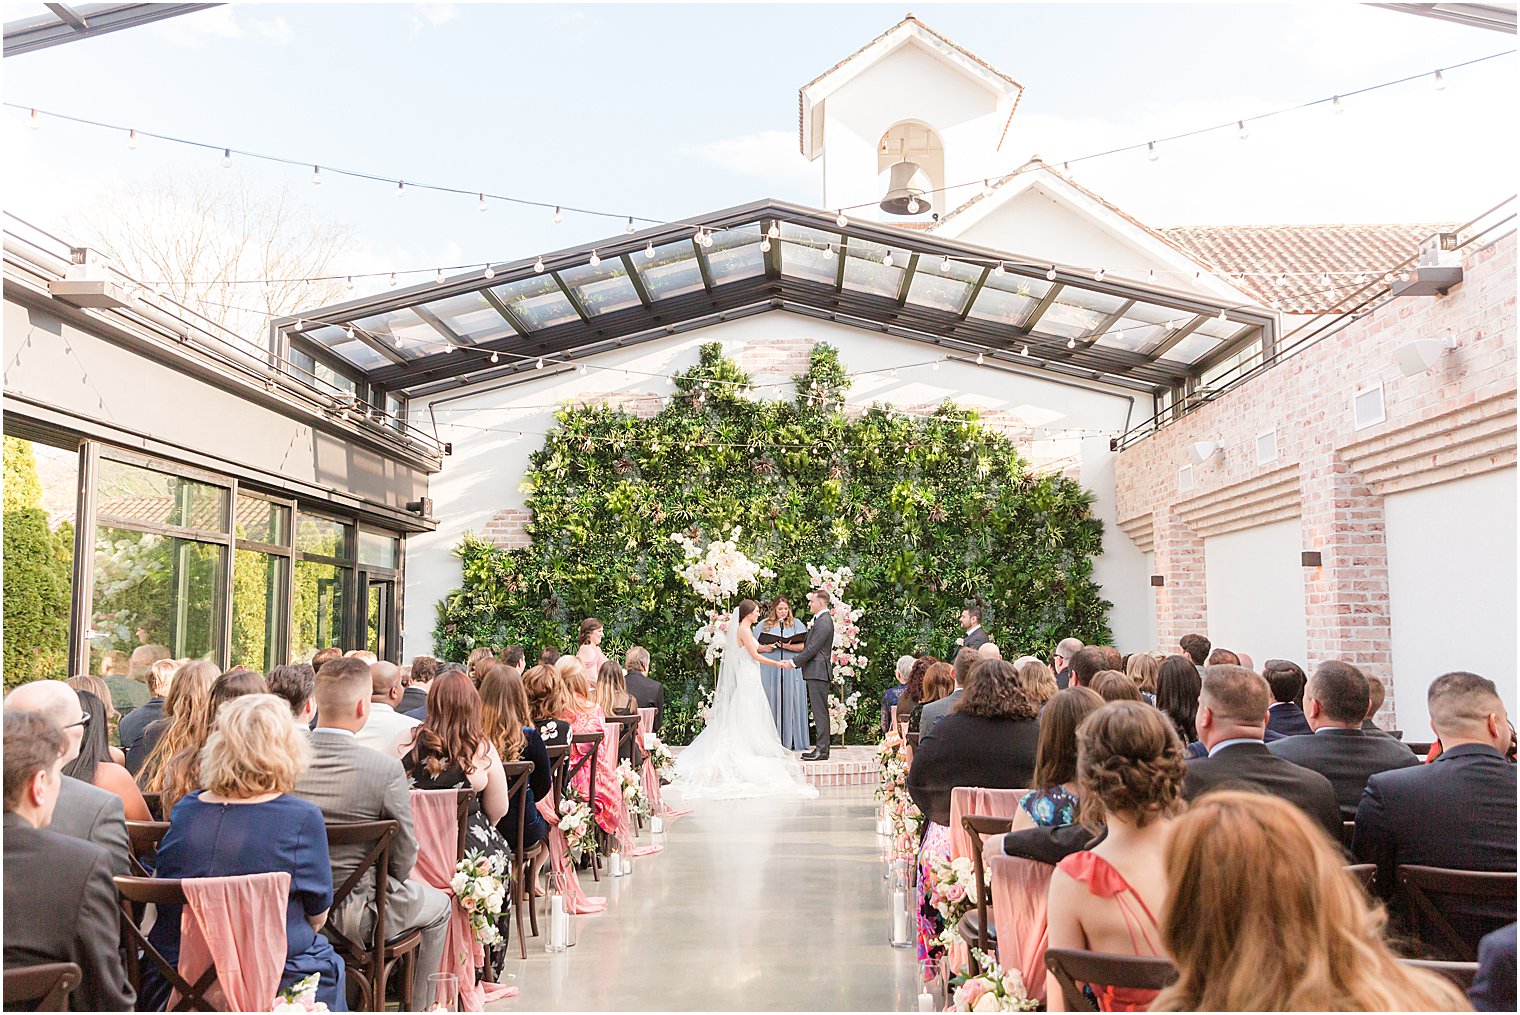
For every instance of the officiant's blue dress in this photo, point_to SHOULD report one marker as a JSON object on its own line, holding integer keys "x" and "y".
{"x": 785, "y": 689}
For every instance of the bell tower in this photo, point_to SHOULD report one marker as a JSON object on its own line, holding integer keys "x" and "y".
{"x": 902, "y": 119}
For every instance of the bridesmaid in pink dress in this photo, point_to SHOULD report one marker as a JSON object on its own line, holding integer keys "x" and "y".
{"x": 586, "y": 716}
{"x": 590, "y": 651}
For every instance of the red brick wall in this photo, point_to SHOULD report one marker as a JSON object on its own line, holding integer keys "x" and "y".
{"x": 508, "y": 528}
{"x": 1456, "y": 419}
{"x": 789, "y": 356}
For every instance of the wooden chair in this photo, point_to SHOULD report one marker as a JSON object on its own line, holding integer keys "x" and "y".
{"x": 466, "y": 797}
{"x": 143, "y": 838}
{"x": 49, "y": 985}
{"x": 1415, "y": 885}
{"x": 1366, "y": 873}
{"x": 976, "y": 926}
{"x": 1072, "y": 967}
{"x": 369, "y": 966}
{"x": 1348, "y": 829}
{"x": 134, "y": 894}
{"x": 155, "y": 802}
{"x": 628, "y": 734}
{"x": 518, "y": 775}
{"x": 594, "y": 741}
{"x": 913, "y": 739}
{"x": 1460, "y": 973}
{"x": 559, "y": 764}
{"x": 1419, "y": 749}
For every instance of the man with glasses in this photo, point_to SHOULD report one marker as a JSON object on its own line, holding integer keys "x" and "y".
{"x": 1060, "y": 661}
{"x": 83, "y": 811}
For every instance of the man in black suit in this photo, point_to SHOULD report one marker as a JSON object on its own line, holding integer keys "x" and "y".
{"x": 1335, "y": 702}
{"x": 816, "y": 662}
{"x": 1061, "y": 661}
{"x": 1457, "y": 812}
{"x": 1287, "y": 682}
{"x": 1232, "y": 719}
{"x": 1493, "y": 987}
{"x": 971, "y": 623}
{"x": 414, "y": 697}
{"x": 60, "y": 902}
{"x": 647, "y": 692}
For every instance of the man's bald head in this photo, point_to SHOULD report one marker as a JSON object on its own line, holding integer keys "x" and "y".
{"x": 1232, "y": 705}
{"x": 989, "y": 650}
{"x": 384, "y": 679}
{"x": 1464, "y": 707}
{"x": 58, "y": 703}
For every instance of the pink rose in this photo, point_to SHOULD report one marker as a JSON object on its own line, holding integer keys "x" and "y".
{"x": 972, "y": 992}
{"x": 955, "y": 893}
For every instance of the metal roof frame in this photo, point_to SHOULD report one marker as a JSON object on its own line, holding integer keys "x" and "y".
{"x": 71, "y": 22}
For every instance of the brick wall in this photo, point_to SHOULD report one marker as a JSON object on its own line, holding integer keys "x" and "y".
{"x": 788, "y": 356}
{"x": 508, "y": 528}
{"x": 1456, "y": 419}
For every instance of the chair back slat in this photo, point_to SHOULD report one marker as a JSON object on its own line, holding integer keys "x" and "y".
{"x": 1072, "y": 967}
{"x": 466, "y": 798}
{"x": 1348, "y": 829}
{"x": 1366, "y": 873}
{"x": 559, "y": 765}
{"x": 48, "y": 984}
{"x": 155, "y": 802}
{"x": 594, "y": 741}
{"x": 1416, "y": 885}
{"x": 519, "y": 773}
{"x": 134, "y": 893}
{"x": 143, "y": 838}
{"x": 976, "y": 826}
{"x": 1460, "y": 973}
{"x": 364, "y": 964}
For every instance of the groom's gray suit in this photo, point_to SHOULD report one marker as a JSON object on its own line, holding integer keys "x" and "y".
{"x": 817, "y": 671}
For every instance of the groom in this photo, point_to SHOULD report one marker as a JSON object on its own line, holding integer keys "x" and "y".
{"x": 813, "y": 660}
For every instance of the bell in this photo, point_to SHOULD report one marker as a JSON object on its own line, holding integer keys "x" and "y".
{"x": 906, "y": 185}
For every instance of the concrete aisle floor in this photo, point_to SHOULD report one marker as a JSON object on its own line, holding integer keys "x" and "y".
{"x": 762, "y": 905}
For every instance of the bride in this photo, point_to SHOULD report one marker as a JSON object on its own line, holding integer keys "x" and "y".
{"x": 739, "y": 754}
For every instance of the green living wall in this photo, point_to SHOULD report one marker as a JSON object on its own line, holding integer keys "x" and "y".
{"x": 930, "y": 513}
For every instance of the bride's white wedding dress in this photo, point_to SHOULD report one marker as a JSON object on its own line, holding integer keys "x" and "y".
{"x": 739, "y": 753}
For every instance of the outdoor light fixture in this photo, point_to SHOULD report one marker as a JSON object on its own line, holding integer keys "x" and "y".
{"x": 1158, "y": 581}
{"x": 400, "y": 188}
{"x": 438, "y": 276}
{"x": 649, "y": 251}
{"x": 1024, "y": 351}
{"x": 828, "y": 251}
{"x": 1336, "y": 105}
{"x": 999, "y": 270}
{"x": 558, "y": 218}
{"x": 629, "y": 228}
{"x": 945, "y": 264}
{"x": 842, "y": 220}
{"x": 1201, "y": 451}
{"x": 540, "y": 363}
{"x": 422, "y": 507}
{"x": 907, "y": 190}
{"x": 35, "y": 122}
{"x": 538, "y": 265}
{"x": 482, "y": 205}
{"x": 1071, "y": 343}
{"x": 1440, "y": 82}
{"x": 886, "y": 261}
{"x": 226, "y": 158}
{"x": 1098, "y": 275}
{"x": 1417, "y": 357}
{"x": 1240, "y": 125}
{"x": 980, "y": 359}
{"x": 1050, "y": 276}
{"x": 132, "y": 138}
{"x": 596, "y": 259}
{"x": 490, "y": 272}
{"x": 774, "y": 230}
{"x": 1311, "y": 558}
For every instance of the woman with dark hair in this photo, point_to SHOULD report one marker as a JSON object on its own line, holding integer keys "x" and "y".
{"x": 504, "y": 718}
{"x": 913, "y": 693}
{"x": 1053, "y": 801}
{"x": 589, "y": 650}
{"x": 99, "y": 688}
{"x": 450, "y": 750}
{"x": 1177, "y": 688}
{"x": 939, "y": 681}
{"x": 781, "y": 635}
{"x": 94, "y": 764}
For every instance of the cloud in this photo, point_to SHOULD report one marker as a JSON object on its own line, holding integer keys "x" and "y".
{"x": 278, "y": 30}
{"x": 770, "y": 155}
{"x": 432, "y": 15}
{"x": 191, "y": 30}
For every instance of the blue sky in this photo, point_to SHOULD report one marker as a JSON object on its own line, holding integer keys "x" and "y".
{"x": 670, "y": 111}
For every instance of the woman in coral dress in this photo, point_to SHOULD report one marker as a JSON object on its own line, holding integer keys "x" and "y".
{"x": 585, "y": 716}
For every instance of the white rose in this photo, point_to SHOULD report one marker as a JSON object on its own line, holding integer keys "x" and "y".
{"x": 460, "y": 882}
{"x": 987, "y": 1002}
{"x": 1013, "y": 983}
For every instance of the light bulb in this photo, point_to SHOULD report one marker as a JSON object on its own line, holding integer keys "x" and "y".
{"x": 1151, "y": 152}
{"x": 538, "y": 265}
{"x": 774, "y": 232}
{"x": 316, "y": 176}
{"x": 913, "y": 206}
{"x": 1024, "y": 351}
{"x": 1051, "y": 274}
{"x": 1240, "y": 125}
{"x": 438, "y": 276}
{"x": 986, "y": 188}
{"x": 1119, "y": 336}
{"x": 1098, "y": 275}
{"x": 629, "y": 227}
{"x": 1360, "y": 278}
{"x": 765, "y": 244}
{"x": 934, "y": 365}
{"x": 649, "y": 251}
{"x": 482, "y": 205}
{"x": 495, "y": 356}
{"x": 1336, "y": 105}
{"x": 558, "y": 218}
{"x": 350, "y": 330}
{"x": 1221, "y": 314}
{"x": 350, "y": 283}
{"x": 980, "y": 359}
{"x": 887, "y": 260}
{"x": 999, "y": 270}
{"x": 596, "y": 259}
{"x": 1324, "y": 279}
{"x": 1282, "y": 279}
{"x": 582, "y": 370}
{"x": 894, "y": 371}
{"x": 842, "y": 220}
{"x": 828, "y": 251}
{"x": 393, "y": 280}
{"x": 132, "y": 139}
{"x": 540, "y": 363}
{"x": 35, "y": 121}
{"x": 400, "y": 188}
{"x": 226, "y": 158}
{"x": 707, "y": 239}
{"x": 1071, "y": 343}
{"x": 1440, "y": 82}
{"x": 944, "y": 265}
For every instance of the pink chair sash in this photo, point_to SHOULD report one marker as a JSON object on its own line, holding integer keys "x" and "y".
{"x": 657, "y": 804}
{"x": 238, "y": 925}
{"x": 1020, "y": 891}
{"x": 626, "y": 837}
{"x": 995, "y": 803}
{"x": 435, "y": 822}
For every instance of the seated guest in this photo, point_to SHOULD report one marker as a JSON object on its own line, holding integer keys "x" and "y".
{"x": 1112, "y": 660}
{"x": 913, "y": 692}
{"x": 414, "y": 695}
{"x": 362, "y": 654}
{"x": 178, "y": 773}
{"x": 1038, "y": 681}
{"x": 1052, "y": 802}
{"x": 184, "y": 712}
{"x": 1287, "y": 682}
{"x": 1262, "y": 916}
{"x": 1223, "y": 657}
{"x": 60, "y": 902}
{"x": 351, "y": 783}
{"x": 442, "y": 668}
{"x": 247, "y": 821}
{"x": 1112, "y": 685}
{"x": 1109, "y": 898}
{"x": 512, "y": 658}
{"x": 890, "y": 696}
{"x": 1196, "y": 647}
{"x": 1456, "y": 812}
{"x": 134, "y": 725}
{"x": 989, "y": 650}
{"x": 94, "y": 764}
{"x": 1232, "y": 719}
{"x": 97, "y": 687}
{"x": 1245, "y": 660}
{"x": 548, "y": 698}
{"x": 584, "y": 715}
{"x": 649, "y": 693}
{"x": 1377, "y": 694}
{"x": 130, "y": 690}
{"x": 323, "y": 656}
{"x": 386, "y": 730}
{"x": 83, "y": 811}
{"x": 967, "y": 663}
{"x": 1177, "y": 687}
{"x": 548, "y": 656}
{"x": 1088, "y": 662}
{"x": 1142, "y": 668}
{"x": 1061, "y": 661}
{"x": 477, "y": 658}
{"x": 295, "y": 684}
{"x": 1493, "y": 987}
{"x": 939, "y": 684}
{"x": 988, "y": 739}
{"x": 504, "y": 719}
{"x": 449, "y": 750}
{"x": 613, "y": 697}
{"x": 1336, "y": 702}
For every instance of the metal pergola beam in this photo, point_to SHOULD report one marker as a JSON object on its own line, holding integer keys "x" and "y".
{"x": 70, "y": 23}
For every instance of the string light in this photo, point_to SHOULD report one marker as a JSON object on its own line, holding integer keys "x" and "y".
{"x": 1335, "y": 104}
{"x": 495, "y": 356}
{"x": 482, "y": 205}
{"x": 538, "y": 265}
{"x": 400, "y": 188}
{"x": 828, "y": 251}
{"x": 1241, "y": 126}
{"x": 913, "y": 206}
{"x": 1151, "y": 152}
{"x": 999, "y": 271}
{"x": 1440, "y": 82}
{"x": 393, "y": 280}
{"x": 558, "y": 218}
{"x": 540, "y": 363}
{"x": 649, "y": 251}
{"x": 1098, "y": 275}
{"x": 35, "y": 122}
{"x": 438, "y": 277}
{"x": 842, "y": 220}
{"x": 1051, "y": 274}
{"x": 595, "y": 259}
{"x": 886, "y": 262}
{"x": 316, "y": 176}
{"x": 350, "y": 283}
{"x": 1221, "y": 316}
{"x": 1024, "y": 351}
{"x": 132, "y": 139}
{"x": 1071, "y": 343}
{"x": 980, "y": 359}
{"x": 489, "y": 273}
{"x": 774, "y": 231}
{"x": 934, "y": 365}
{"x": 945, "y": 264}
{"x": 226, "y": 158}
{"x": 765, "y": 244}
{"x": 629, "y": 229}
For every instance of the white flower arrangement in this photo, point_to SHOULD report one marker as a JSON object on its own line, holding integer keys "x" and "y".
{"x": 575, "y": 823}
{"x": 633, "y": 790}
{"x": 716, "y": 573}
{"x": 839, "y": 712}
{"x": 951, "y": 886}
{"x": 903, "y": 813}
{"x": 843, "y": 659}
{"x": 300, "y": 996}
{"x": 480, "y": 885}
{"x": 659, "y": 755}
{"x": 992, "y": 989}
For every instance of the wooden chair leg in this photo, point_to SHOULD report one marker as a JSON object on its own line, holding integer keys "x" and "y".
{"x": 518, "y": 900}
{"x": 409, "y": 981}
{"x": 530, "y": 879}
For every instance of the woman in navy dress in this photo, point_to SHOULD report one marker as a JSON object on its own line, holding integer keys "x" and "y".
{"x": 781, "y": 636}
{"x": 245, "y": 821}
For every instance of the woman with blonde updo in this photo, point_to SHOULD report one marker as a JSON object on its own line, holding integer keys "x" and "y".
{"x": 1106, "y": 899}
{"x": 1263, "y": 916}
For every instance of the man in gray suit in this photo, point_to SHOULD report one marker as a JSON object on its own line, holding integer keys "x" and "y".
{"x": 933, "y": 712}
{"x": 351, "y": 783}
{"x": 815, "y": 660}
{"x": 83, "y": 811}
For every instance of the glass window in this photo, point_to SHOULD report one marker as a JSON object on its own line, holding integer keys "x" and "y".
{"x": 130, "y": 493}
{"x": 1191, "y": 348}
{"x": 1076, "y": 312}
{"x": 1008, "y": 299}
{"x": 735, "y": 254}
{"x": 351, "y": 350}
{"x": 377, "y": 616}
{"x": 671, "y": 271}
{"x": 537, "y": 302}
{"x": 262, "y": 521}
{"x": 324, "y": 536}
{"x": 804, "y": 253}
{"x": 377, "y": 549}
{"x": 472, "y": 317}
{"x": 155, "y": 597}
{"x": 400, "y": 328}
{"x": 602, "y": 289}
{"x": 941, "y": 284}
{"x": 864, "y": 270}
{"x": 41, "y": 490}
{"x": 318, "y": 608}
{"x": 258, "y": 608}
{"x": 395, "y": 410}
{"x": 1132, "y": 335}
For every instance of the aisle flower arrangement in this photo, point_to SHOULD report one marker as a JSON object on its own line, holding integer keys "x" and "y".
{"x": 633, "y": 790}
{"x": 992, "y": 989}
{"x": 951, "y": 890}
{"x": 716, "y": 573}
{"x": 480, "y": 885}
{"x": 300, "y": 996}
{"x": 660, "y": 757}
{"x": 575, "y": 822}
{"x": 903, "y": 814}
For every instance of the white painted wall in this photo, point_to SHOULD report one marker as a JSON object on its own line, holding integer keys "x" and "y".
{"x": 1451, "y": 577}
{"x": 483, "y": 475}
{"x": 1256, "y": 592}
{"x": 1122, "y": 570}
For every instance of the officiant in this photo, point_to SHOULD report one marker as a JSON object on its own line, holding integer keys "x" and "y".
{"x": 781, "y": 636}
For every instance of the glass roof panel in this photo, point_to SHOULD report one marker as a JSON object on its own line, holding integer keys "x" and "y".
{"x": 802, "y": 253}
{"x": 408, "y": 333}
{"x": 671, "y": 271}
{"x": 864, "y": 271}
{"x": 735, "y": 254}
{"x": 537, "y": 302}
{"x": 1076, "y": 313}
{"x": 360, "y": 355}
{"x": 1221, "y": 329}
{"x": 942, "y": 284}
{"x": 1008, "y": 299}
{"x": 471, "y": 317}
{"x": 1155, "y": 313}
{"x": 1133, "y": 335}
{"x": 1190, "y": 349}
{"x": 601, "y": 289}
